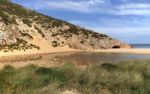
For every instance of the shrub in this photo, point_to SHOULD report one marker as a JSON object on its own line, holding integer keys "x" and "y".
{"x": 55, "y": 44}
{"x": 27, "y": 22}
{"x": 82, "y": 42}
{"x": 26, "y": 35}
{"x": 39, "y": 31}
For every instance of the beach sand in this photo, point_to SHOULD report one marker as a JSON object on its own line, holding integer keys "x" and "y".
{"x": 35, "y": 51}
{"x": 67, "y": 49}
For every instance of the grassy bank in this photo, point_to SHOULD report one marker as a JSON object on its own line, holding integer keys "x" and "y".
{"x": 122, "y": 78}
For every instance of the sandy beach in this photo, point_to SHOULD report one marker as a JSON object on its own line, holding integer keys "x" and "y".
{"x": 35, "y": 51}
{"x": 66, "y": 49}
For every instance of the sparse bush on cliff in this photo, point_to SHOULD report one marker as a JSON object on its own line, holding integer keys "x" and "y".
{"x": 27, "y": 22}
{"x": 55, "y": 44}
{"x": 26, "y": 35}
{"x": 39, "y": 31}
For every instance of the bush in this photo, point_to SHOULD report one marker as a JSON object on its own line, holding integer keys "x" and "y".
{"x": 55, "y": 44}
{"x": 27, "y": 22}
{"x": 26, "y": 35}
{"x": 39, "y": 31}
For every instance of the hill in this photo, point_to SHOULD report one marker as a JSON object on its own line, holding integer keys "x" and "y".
{"x": 22, "y": 28}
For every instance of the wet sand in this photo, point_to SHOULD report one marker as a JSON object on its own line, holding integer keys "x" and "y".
{"x": 79, "y": 58}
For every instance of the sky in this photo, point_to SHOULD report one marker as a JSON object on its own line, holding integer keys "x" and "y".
{"x": 126, "y": 20}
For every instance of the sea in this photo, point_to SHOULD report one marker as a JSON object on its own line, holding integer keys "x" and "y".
{"x": 140, "y": 45}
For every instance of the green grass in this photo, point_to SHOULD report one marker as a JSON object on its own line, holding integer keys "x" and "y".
{"x": 128, "y": 77}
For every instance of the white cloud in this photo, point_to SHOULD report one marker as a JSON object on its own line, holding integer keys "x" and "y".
{"x": 135, "y": 6}
{"x": 79, "y": 6}
{"x": 133, "y": 9}
{"x": 127, "y": 7}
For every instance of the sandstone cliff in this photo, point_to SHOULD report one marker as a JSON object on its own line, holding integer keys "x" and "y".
{"x": 21, "y": 28}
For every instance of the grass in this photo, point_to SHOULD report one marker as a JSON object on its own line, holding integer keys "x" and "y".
{"x": 123, "y": 78}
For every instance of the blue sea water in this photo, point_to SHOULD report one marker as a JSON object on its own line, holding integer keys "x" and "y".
{"x": 140, "y": 45}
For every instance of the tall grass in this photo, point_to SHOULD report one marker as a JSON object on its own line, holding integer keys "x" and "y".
{"x": 128, "y": 77}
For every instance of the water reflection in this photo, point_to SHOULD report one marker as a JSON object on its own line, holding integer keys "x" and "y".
{"x": 91, "y": 57}
{"x": 79, "y": 58}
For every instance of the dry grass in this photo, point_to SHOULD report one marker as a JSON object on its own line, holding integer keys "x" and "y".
{"x": 123, "y": 78}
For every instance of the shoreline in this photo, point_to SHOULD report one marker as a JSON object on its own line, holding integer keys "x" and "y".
{"x": 37, "y": 52}
{"x": 126, "y": 51}
{"x": 19, "y": 59}
{"x": 68, "y": 50}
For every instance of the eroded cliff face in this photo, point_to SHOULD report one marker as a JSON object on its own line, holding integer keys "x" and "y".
{"x": 24, "y": 27}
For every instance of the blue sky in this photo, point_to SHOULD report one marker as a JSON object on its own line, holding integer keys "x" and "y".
{"x": 126, "y": 20}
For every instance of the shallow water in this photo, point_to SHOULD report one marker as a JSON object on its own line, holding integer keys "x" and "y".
{"x": 79, "y": 58}
{"x": 91, "y": 57}
{"x": 140, "y": 45}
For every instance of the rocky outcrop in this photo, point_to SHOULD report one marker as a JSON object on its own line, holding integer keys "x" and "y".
{"x": 18, "y": 23}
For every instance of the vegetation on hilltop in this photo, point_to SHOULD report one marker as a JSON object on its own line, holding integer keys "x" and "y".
{"x": 122, "y": 78}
